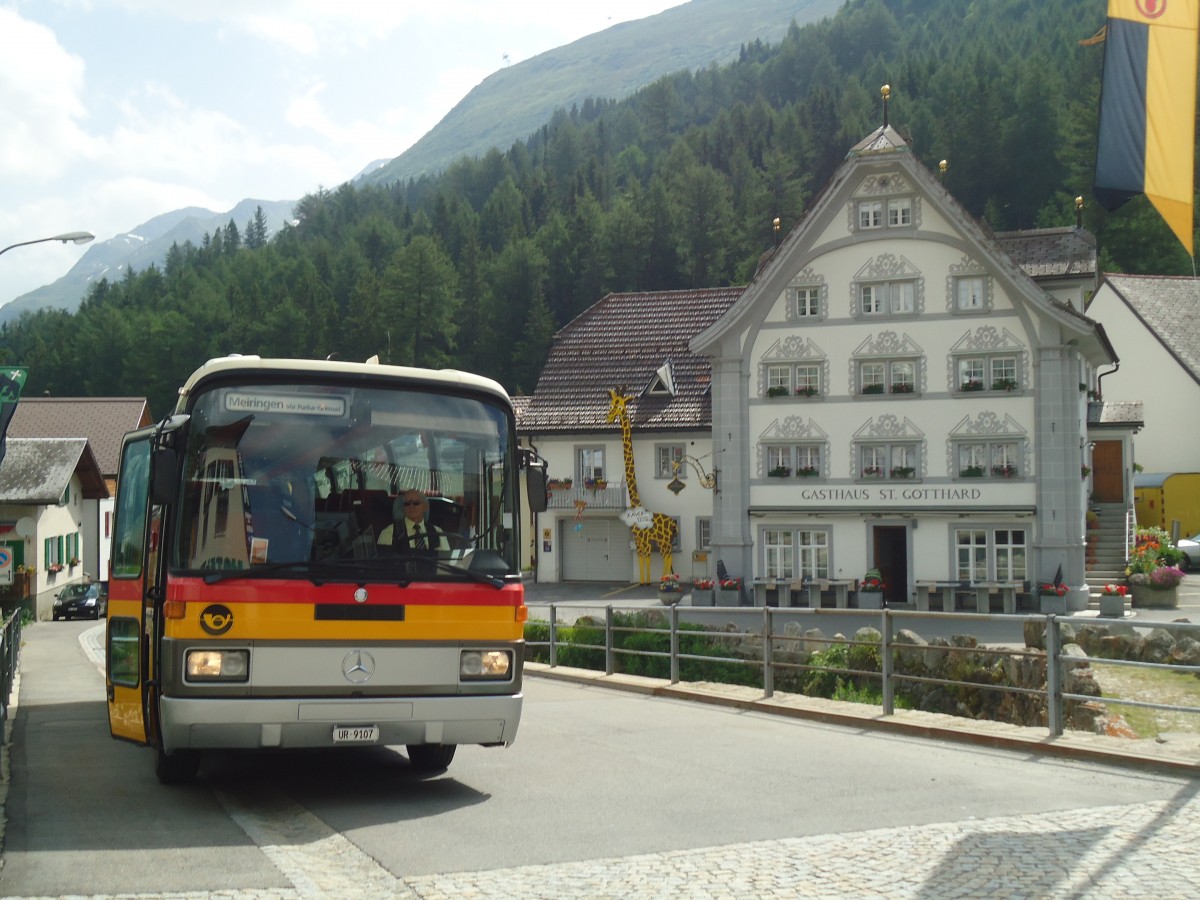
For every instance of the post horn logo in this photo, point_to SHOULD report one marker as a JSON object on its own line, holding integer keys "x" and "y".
{"x": 1152, "y": 9}
{"x": 216, "y": 619}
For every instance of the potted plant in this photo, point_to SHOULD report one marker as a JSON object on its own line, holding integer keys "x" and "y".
{"x": 560, "y": 484}
{"x": 971, "y": 472}
{"x": 971, "y": 384}
{"x": 779, "y": 472}
{"x": 872, "y": 472}
{"x": 902, "y": 387}
{"x": 806, "y": 390}
{"x": 595, "y": 484}
{"x": 777, "y": 390}
{"x": 55, "y": 568}
{"x": 730, "y": 591}
{"x": 903, "y": 471}
{"x": 1052, "y": 597}
{"x": 872, "y": 388}
{"x": 807, "y": 472}
{"x": 670, "y": 591}
{"x": 1085, "y": 471}
{"x": 870, "y": 590}
{"x": 1004, "y": 471}
{"x": 1004, "y": 384}
{"x": 1112, "y": 601}
{"x": 702, "y": 592}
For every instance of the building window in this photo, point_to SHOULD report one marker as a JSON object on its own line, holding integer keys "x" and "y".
{"x": 900, "y": 212}
{"x": 988, "y": 373}
{"x": 888, "y": 298}
{"x": 970, "y": 292}
{"x": 677, "y": 544}
{"x": 870, "y": 214}
{"x": 703, "y": 533}
{"x": 795, "y": 553}
{"x": 667, "y": 456}
{"x": 990, "y": 554}
{"x": 801, "y": 380}
{"x": 589, "y": 463}
{"x": 801, "y": 460}
{"x": 893, "y": 461}
{"x": 890, "y": 376}
{"x": 997, "y": 458}
{"x": 808, "y": 302}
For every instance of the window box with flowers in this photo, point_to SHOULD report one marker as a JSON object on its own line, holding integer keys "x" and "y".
{"x": 902, "y": 387}
{"x": 1112, "y": 601}
{"x": 670, "y": 590}
{"x": 973, "y": 384}
{"x": 702, "y": 592}
{"x": 807, "y": 390}
{"x": 779, "y": 472}
{"x": 808, "y": 472}
{"x": 73, "y": 561}
{"x": 1004, "y": 471}
{"x": 595, "y": 484}
{"x": 777, "y": 390}
{"x": 872, "y": 472}
{"x": 872, "y": 388}
{"x": 971, "y": 472}
{"x": 1005, "y": 384}
{"x": 55, "y": 568}
{"x": 903, "y": 472}
{"x": 560, "y": 484}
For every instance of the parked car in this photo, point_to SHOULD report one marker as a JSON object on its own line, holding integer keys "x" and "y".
{"x": 84, "y": 599}
{"x": 1190, "y": 548}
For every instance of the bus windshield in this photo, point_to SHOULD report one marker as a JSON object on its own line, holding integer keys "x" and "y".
{"x": 312, "y": 480}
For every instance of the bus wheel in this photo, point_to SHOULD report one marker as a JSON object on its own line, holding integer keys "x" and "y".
{"x": 431, "y": 757}
{"x": 179, "y": 767}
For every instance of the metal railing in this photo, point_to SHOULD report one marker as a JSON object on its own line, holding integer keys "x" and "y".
{"x": 1057, "y": 663}
{"x": 10, "y": 658}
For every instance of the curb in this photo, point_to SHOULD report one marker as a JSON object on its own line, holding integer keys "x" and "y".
{"x": 912, "y": 723}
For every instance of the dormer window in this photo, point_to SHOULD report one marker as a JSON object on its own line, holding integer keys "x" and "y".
{"x": 870, "y": 214}
{"x": 900, "y": 212}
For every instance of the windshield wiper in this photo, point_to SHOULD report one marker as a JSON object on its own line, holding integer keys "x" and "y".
{"x": 481, "y": 577}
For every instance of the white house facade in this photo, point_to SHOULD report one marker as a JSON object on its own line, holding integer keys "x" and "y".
{"x": 894, "y": 392}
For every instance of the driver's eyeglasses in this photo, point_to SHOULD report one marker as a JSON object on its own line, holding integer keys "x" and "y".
{"x": 413, "y": 503}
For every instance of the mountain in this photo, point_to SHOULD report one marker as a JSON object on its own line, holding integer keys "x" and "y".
{"x": 511, "y": 104}
{"x": 141, "y": 248}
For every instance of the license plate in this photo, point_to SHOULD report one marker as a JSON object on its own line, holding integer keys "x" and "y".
{"x": 355, "y": 734}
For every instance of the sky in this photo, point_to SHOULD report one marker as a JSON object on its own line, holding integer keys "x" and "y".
{"x": 115, "y": 111}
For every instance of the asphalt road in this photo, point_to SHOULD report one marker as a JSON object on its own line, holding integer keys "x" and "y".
{"x": 604, "y": 793}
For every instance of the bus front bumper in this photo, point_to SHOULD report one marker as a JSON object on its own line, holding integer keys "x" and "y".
{"x": 248, "y": 723}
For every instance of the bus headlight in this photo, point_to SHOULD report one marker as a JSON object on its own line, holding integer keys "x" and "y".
{"x": 217, "y": 665}
{"x": 484, "y": 665}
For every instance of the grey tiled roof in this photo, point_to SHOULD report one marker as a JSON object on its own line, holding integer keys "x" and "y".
{"x": 102, "y": 420}
{"x": 621, "y": 341}
{"x": 1107, "y": 412}
{"x": 36, "y": 471}
{"x": 1170, "y": 308}
{"x": 1050, "y": 252}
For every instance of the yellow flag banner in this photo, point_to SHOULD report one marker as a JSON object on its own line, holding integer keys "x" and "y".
{"x": 1148, "y": 109}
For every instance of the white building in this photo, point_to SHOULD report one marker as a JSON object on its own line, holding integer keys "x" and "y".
{"x": 945, "y": 438}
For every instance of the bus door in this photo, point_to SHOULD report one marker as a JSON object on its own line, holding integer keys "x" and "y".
{"x": 130, "y": 633}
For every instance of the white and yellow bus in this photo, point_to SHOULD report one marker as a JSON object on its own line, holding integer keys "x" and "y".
{"x": 252, "y": 603}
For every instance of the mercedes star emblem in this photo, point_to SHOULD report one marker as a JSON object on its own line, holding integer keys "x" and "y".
{"x": 358, "y": 666}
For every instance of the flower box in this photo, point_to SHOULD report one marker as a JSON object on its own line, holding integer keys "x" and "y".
{"x": 1004, "y": 384}
{"x": 779, "y": 472}
{"x": 971, "y": 385}
{"x": 1004, "y": 471}
{"x": 902, "y": 387}
{"x": 903, "y": 471}
{"x": 807, "y": 472}
{"x": 971, "y": 472}
{"x": 777, "y": 391}
{"x": 872, "y": 472}
{"x": 872, "y": 389}
{"x": 807, "y": 391}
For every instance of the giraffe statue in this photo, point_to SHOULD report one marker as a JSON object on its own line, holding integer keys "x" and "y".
{"x": 648, "y": 528}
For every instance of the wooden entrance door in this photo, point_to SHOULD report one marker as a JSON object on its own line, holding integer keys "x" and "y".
{"x": 891, "y": 559}
{"x": 1108, "y": 472}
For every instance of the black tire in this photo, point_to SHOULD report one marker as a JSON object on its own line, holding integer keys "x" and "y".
{"x": 179, "y": 767}
{"x": 56, "y": 617}
{"x": 431, "y": 757}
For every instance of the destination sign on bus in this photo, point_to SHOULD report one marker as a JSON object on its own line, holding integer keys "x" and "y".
{"x": 288, "y": 404}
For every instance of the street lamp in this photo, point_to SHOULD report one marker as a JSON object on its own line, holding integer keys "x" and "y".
{"x": 71, "y": 237}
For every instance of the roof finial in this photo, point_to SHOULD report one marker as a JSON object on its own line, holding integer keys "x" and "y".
{"x": 1079, "y": 212}
{"x": 942, "y": 167}
{"x": 885, "y": 92}
{"x": 775, "y": 226}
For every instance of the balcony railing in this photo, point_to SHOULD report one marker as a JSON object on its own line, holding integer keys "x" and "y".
{"x": 611, "y": 496}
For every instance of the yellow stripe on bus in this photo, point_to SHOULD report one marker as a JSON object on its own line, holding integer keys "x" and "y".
{"x": 297, "y": 622}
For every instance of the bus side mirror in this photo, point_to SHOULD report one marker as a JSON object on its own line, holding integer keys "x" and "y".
{"x": 162, "y": 477}
{"x": 535, "y": 486}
